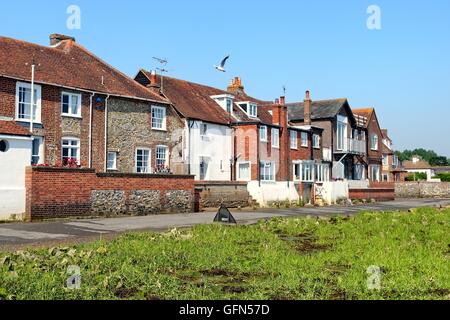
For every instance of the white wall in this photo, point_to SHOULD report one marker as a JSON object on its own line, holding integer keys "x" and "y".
{"x": 216, "y": 146}
{"x": 12, "y": 176}
{"x": 272, "y": 191}
{"x": 333, "y": 191}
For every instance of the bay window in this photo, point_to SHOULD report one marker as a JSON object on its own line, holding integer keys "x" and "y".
{"x": 304, "y": 171}
{"x": 322, "y": 172}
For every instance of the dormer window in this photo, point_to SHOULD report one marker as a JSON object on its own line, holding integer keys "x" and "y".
{"x": 225, "y": 101}
{"x": 250, "y": 108}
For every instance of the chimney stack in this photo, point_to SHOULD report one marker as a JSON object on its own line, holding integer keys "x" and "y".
{"x": 153, "y": 81}
{"x": 307, "y": 108}
{"x": 235, "y": 86}
{"x": 56, "y": 38}
{"x": 283, "y": 100}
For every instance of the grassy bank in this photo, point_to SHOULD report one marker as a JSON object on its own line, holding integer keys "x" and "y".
{"x": 278, "y": 259}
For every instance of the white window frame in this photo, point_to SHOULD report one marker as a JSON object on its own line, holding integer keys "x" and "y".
{"x": 373, "y": 171}
{"x": 252, "y": 110}
{"x": 149, "y": 160}
{"x": 239, "y": 164}
{"x": 163, "y": 119}
{"x": 166, "y": 155}
{"x": 229, "y": 105}
{"x": 275, "y": 142}
{"x": 374, "y": 142}
{"x": 263, "y": 166}
{"x": 293, "y": 137}
{"x": 71, "y": 147}
{"x": 322, "y": 172}
{"x": 37, "y": 106}
{"x": 70, "y": 113}
{"x": 304, "y": 142}
{"x": 263, "y": 129}
{"x": 306, "y": 170}
{"x": 40, "y": 154}
{"x": 114, "y": 166}
{"x": 316, "y": 141}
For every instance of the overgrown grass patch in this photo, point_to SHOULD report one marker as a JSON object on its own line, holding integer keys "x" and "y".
{"x": 304, "y": 258}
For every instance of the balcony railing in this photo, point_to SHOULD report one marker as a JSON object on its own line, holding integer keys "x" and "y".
{"x": 351, "y": 146}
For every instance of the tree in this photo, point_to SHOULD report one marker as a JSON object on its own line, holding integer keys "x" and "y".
{"x": 439, "y": 161}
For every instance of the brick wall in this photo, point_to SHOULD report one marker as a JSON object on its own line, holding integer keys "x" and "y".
{"x": 380, "y": 191}
{"x": 60, "y": 192}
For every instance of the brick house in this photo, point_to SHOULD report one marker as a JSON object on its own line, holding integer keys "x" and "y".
{"x": 85, "y": 111}
{"x": 392, "y": 168}
{"x": 367, "y": 120}
{"x": 76, "y": 93}
{"x": 343, "y": 143}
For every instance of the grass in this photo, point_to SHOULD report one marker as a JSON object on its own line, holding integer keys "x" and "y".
{"x": 279, "y": 259}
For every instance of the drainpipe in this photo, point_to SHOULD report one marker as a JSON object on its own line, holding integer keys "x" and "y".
{"x": 32, "y": 98}
{"x": 258, "y": 155}
{"x": 106, "y": 133}
{"x": 90, "y": 128}
{"x": 234, "y": 159}
{"x": 190, "y": 126}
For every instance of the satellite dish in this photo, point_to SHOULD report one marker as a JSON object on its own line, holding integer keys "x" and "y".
{"x": 224, "y": 216}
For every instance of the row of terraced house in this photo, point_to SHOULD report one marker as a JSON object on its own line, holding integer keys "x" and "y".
{"x": 86, "y": 115}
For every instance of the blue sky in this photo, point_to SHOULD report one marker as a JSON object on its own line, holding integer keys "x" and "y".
{"x": 403, "y": 69}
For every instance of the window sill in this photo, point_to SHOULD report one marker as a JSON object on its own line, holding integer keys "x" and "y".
{"x": 275, "y": 147}
{"x": 27, "y": 121}
{"x": 305, "y": 147}
{"x": 158, "y": 129}
{"x": 65, "y": 115}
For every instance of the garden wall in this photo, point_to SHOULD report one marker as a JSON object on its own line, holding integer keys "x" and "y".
{"x": 422, "y": 190}
{"x": 61, "y": 192}
{"x": 232, "y": 194}
{"x": 379, "y": 191}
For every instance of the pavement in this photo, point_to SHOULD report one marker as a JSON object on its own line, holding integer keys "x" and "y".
{"x": 19, "y": 235}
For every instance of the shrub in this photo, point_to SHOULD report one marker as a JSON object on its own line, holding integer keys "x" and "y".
{"x": 418, "y": 176}
{"x": 445, "y": 177}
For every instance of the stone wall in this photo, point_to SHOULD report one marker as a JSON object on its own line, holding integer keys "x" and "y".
{"x": 422, "y": 190}
{"x": 130, "y": 127}
{"x": 231, "y": 194}
{"x": 61, "y": 192}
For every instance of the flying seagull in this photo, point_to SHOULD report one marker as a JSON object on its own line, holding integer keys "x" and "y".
{"x": 222, "y": 64}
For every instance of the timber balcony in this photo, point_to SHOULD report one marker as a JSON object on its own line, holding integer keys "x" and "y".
{"x": 353, "y": 146}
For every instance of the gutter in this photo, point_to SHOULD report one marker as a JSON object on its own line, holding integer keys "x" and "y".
{"x": 84, "y": 90}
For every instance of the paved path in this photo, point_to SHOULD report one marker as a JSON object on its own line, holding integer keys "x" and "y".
{"x": 19, "y": 234}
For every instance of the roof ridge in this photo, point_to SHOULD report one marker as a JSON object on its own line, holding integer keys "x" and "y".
{"x": 323, "y": 100}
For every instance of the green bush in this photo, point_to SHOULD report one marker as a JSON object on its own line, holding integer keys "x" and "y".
{"x": 445, "y": 177}
{"x": 418, "y": 176}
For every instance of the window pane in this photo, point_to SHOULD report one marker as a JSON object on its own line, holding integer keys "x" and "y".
{"x": 74, "y": 104}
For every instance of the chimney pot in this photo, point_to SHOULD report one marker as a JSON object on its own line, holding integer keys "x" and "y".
{"x": 282, "y": 100}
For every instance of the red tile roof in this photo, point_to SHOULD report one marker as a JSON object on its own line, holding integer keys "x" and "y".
{"x": 363, "y": 115}
{"x": 12, "y": 128}
{"x": 69, "y": 65}
{"x": 194, "y": 101}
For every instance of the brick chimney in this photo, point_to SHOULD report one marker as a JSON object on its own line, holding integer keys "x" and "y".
{"x": 280, "y": 118}
{"x": 307, "y": 108}
{"x": 153, "y": 80}
{"x": 235, "y": 86}
{"x": 56, "y": 38}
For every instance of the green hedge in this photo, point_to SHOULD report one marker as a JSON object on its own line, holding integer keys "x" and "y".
{"x": 418, "y": 176}
{"x": 445, "y": 177}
